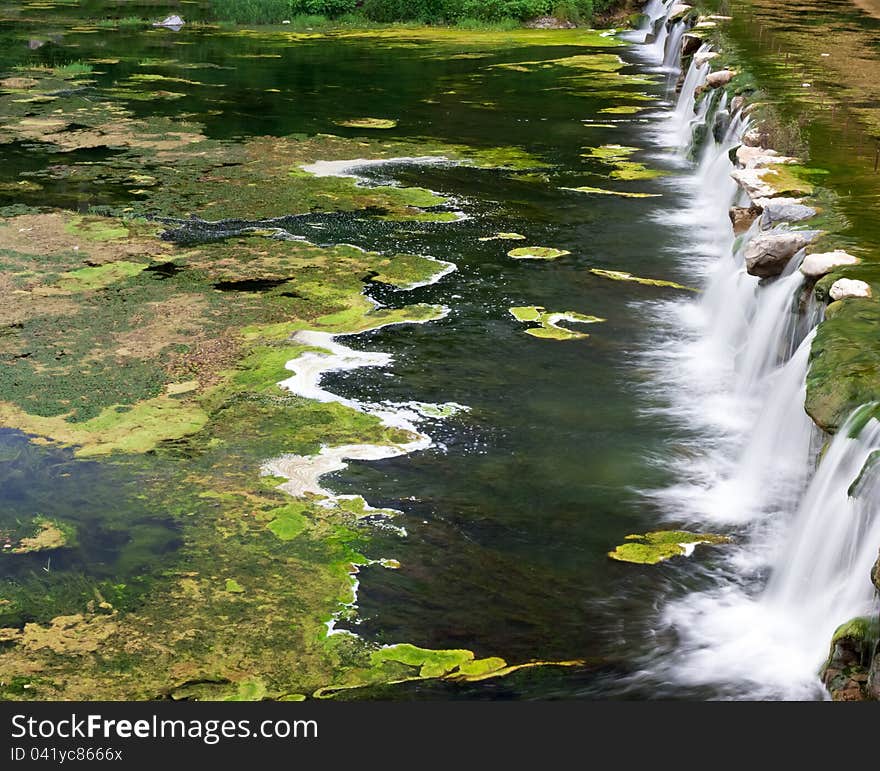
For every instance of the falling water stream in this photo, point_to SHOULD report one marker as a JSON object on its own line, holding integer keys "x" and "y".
{"x": 806, "y": 535}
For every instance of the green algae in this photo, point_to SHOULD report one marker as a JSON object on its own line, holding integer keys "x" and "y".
{"x": 42, "y": 534}
{"x": 98, "y": 277}
{"x": 623, "y": 109}
{"x": 503, "y": 237}
{"x": 368, "y": 123}
{"x": 137, "y": 429}
{"x": 620, "y": 193}
{"x": 661, "y": 545}
{"x": 233, "y": 587}
{"x": 789, "y": 179}
{"x": 405, "y": 663}
{"x": 622, "y": 275}
{"x": 549, "y": 322}
{"x": 537, "y": 253}
{"x": 609, "y": 153}
{"x": 288, "y": 521}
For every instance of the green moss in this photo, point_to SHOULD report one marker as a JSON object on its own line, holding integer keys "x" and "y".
{"x": 658, "y": 546}
{"x": 251, "y": 690}
{"x": 844, "y": 370}
{"x": 862, "y": 629}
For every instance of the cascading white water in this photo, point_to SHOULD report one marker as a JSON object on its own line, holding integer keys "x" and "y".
{"x": 833, "y": 540}
{"x": 771, "y": 645}
{"x": 672, "y": 47}
{"x": 651, "y": 12}
{"x": 770, "y": 328}
{"x": 684, "y": 119}
{"x": 739, "y": 360}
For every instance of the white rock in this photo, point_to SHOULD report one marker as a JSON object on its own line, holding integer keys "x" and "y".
{"x": 704, "y": 56}
{"x": 816, "y": 265}
{"x": 783, "y": 209}
{"x": 751, "y": 180}
{"x": 720, "y": 78}
{"x": 750, "y": 157}
{"x": 844, "y": 288}
{"x": 679, "y": 10}
{"x": 170, "y": 21}
{"x": 767, "y": 254}
{"x": 752, "y": 138}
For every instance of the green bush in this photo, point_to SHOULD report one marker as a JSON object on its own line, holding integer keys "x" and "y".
{"x": 467, "y": 12}
{"x": 386, "y": 11}
{"x": 251, "y": 11}
{"x": 321, "y": 7}
{"x": 575, "y": 11}
{"x": 495, "y": 10}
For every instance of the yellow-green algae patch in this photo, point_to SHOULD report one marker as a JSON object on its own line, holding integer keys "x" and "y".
{"x": 623, "y": 109}
{"x": 98, "y": 277}
{"x": 405, "y": 663}
{"x": 549, "y": 322}
{"x": 620, "y": 193}
{"x": 120, "y": 428}
{"x": 46, "y": 534}
{"x": 622, "y": 275}
{"x": 504, "y": 237}
{"x": 609, "y": 153}
{"x": 661, "y": 545}
{"x": 537, "y": 253}
{"x": 367, "y": 123}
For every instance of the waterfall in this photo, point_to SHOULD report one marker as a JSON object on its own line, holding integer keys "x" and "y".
{"x": 652, "y": 11}
{"x": 684, "y": 119}
{"x": 672, "y": 47}
{"x": 739, "y": 358}
{"x": 771, "y": 328}
{"x": 833, "y": 540}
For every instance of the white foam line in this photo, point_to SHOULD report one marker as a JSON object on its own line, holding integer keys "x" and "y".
{"x": 347, "y": 168}
{"x": 303, "y": 472}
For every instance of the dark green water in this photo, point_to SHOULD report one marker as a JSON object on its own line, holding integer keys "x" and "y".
{"x": 511, "y": 514}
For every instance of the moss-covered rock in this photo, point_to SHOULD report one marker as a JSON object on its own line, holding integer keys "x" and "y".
{"x": 846, "y": 671}
{"x": 844, "y": 368}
